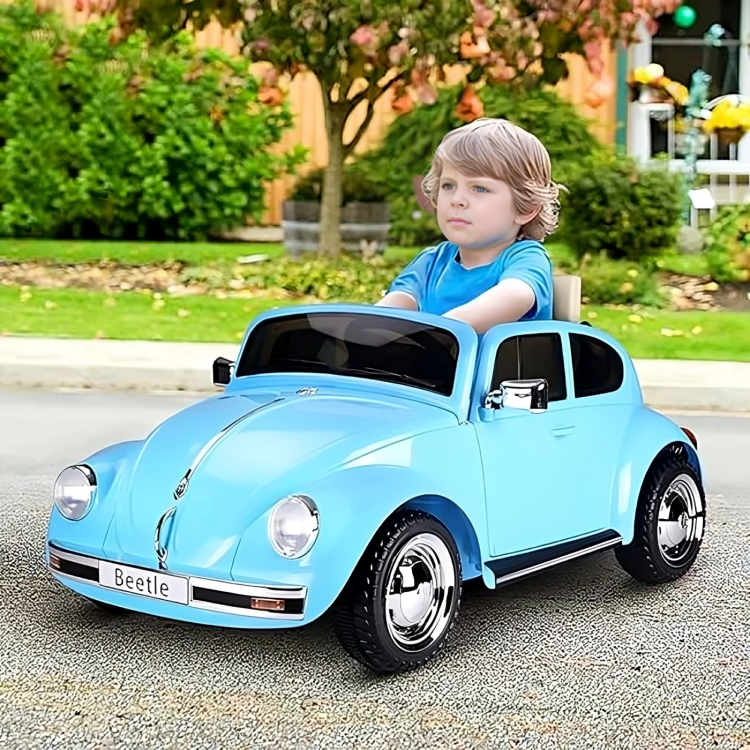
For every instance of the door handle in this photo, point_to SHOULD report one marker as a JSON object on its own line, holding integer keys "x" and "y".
{"x": 562, "y": 430}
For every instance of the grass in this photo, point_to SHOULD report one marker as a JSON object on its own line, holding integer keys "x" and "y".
{"x": 78, "y": 313}
{"x": 191, "y": 253}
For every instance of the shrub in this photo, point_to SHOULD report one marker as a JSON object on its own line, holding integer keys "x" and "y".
{"x": 107, "y": 138}
{"x": 412, "y": 138}
{"x": 618, "y": 282}
{"x": 727, "y": 248}
{"x": 616, "y": 207}
{"x": 343, "y": 278}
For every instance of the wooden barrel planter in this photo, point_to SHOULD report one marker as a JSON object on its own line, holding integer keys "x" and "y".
{"x": 362, "y": 223}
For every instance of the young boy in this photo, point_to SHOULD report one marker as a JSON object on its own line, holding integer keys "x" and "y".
{"x": 490, "y": 182}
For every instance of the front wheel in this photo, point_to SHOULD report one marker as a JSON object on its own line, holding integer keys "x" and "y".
{"x": 403, "y": 598}
{"x": 669, "y": 523}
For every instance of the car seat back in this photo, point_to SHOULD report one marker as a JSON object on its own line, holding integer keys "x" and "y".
{"x": 566, "y": 296}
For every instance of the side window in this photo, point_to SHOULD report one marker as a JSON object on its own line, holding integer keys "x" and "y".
{"x": 532, "y": 356}
{"x": 597, "y": 367}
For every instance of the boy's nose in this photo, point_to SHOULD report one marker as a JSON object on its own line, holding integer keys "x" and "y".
{"x": 458, "y": 199}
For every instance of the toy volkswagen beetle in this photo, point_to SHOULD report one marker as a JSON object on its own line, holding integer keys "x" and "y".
{"x": 371, "y": 460}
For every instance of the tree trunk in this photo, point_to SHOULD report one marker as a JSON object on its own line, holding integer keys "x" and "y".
{"x": 330, "y": 209}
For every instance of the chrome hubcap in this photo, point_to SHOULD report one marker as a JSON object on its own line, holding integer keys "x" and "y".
{"x": 420, "y": 591}
{"x": 681, "y": 519}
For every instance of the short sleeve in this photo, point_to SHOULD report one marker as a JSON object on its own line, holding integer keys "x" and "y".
{"x": 413, "y": 279}
{"x": 530, "y": 263}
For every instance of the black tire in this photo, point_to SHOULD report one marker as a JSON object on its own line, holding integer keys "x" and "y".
{"x": 647, "y": 558}
{"x": 364, "y": 624}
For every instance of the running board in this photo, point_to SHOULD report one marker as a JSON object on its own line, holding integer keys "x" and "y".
{"x": 514, "y": 567}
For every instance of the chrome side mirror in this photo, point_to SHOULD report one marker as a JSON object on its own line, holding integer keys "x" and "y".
{"x": 222, "y": 370}
{"x": 530, "y": 395}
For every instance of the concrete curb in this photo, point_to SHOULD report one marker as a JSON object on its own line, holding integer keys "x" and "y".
{"x": 30, "y": 363}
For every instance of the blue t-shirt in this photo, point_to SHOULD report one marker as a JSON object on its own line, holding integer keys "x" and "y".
{"x": 439, "y": 283}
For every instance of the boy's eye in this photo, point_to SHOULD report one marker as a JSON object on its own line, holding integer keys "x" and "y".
{"x": 483, "y": 189}
{"x": 447, "y": 185}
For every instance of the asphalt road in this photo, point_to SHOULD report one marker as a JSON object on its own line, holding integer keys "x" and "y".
{"x": 579, "y": 657}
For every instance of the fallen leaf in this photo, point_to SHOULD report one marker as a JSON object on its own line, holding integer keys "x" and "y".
{"x": 158, "y": 304}
{"x": 110, "y": 302}
{"x": 635, "y": 319}
{"x": 696, "y": 330}
{"x": 25, "y": 296}
{"x": 593, "y": 314}
{"x": 666, "y": 331}
{"x": 50, "y": 305}
{"x": 712, "y": 286}
{"x": 183, "y": 313}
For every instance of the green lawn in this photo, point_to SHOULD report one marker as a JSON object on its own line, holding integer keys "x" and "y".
{"x": 81, "y": 314}
{"x": 191, "y": 253}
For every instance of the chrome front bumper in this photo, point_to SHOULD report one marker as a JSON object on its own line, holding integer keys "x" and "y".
{"x": 227, "y": 597}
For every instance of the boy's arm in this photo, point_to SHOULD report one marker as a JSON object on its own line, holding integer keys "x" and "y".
{"x": 506, "y": 302}
{"x": 407, "y": 289}
{"x": 526, "y": 284}
{"x": 403, "y": 300}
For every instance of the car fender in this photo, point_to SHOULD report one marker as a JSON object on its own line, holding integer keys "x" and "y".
{"x": 439, "y": 472}
{"x": 111, "y": 466}
{"x": 647, "y": 435}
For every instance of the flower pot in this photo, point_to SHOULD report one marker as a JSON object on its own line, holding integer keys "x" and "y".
{"x": 729, "y": 136}
{"x": 361, "y": 225}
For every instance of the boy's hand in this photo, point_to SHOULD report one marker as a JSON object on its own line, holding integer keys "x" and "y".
{"x": 505, "y": 303}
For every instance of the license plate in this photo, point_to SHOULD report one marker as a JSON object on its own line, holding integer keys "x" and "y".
{"x": 149, "y": 583}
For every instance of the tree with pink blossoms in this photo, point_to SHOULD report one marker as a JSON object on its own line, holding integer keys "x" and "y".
{"x": 361, "y": 49}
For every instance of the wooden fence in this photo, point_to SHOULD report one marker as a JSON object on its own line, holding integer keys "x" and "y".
{"x": 304, "y": 96}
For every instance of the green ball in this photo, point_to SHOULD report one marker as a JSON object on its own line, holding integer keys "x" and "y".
{"x": 685, "y": 16}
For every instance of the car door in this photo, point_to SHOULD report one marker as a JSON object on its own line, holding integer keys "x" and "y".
{"x": 601, "y": 411}
{"x": 532, "y": 481}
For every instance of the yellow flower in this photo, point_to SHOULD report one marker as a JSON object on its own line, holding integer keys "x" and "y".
{"x": 696, "y": 330}
{"x": 635, "y": 319}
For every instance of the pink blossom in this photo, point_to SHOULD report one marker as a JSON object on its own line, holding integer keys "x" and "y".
{"x": 364, "y": 36}
{"x": 397, "y": 52}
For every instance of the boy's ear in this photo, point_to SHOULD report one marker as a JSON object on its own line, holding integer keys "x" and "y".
{"x": 422, "y": 199}
{"x": 524, "y": 219}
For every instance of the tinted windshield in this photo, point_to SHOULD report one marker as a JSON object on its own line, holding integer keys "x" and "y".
{"x": 364, "y": 346}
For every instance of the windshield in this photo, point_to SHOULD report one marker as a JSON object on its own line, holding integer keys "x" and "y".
{"x": 372, "y": 346}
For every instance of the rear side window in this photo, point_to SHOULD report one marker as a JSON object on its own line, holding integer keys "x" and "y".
{"x": 533, "y": 356}
{"x": 597, "y": 367}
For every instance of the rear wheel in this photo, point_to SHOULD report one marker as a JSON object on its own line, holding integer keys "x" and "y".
{"x": 403, "y": 598}
{"x": 669, "y": 525}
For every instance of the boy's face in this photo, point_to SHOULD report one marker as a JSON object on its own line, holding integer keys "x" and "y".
{"x": 477, "y": 213}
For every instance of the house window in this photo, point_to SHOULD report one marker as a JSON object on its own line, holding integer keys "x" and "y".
{"x": 681, "y": 51}
{"x": 597, "y": 367}
{"x": 529, "y": 357}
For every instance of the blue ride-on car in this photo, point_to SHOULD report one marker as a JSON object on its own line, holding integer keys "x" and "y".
{"x": 370, "y": 460}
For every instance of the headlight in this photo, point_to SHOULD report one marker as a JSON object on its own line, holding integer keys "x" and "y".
{"x": 75, "y": 490}
{"x": 293, "y": 525}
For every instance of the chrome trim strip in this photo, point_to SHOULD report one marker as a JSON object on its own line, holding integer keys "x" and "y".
{"x": 230, "y": 587}
{"x": 263, "y": 592}
{"x": 558, "y": 560}
{"x": 90, "y": 562}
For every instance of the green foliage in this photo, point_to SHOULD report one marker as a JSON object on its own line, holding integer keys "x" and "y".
{"x": 101, "y": 138}
{"x": 413, "y": 137}
{"x": 343, "y": 279}
{"x": 727, "y": 249}
{"x": 356, "y": 186}
{"x": 616, "y": 206}
{"x": 618, "y": 282}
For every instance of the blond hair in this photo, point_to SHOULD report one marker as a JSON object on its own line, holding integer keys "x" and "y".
{"x": 501, "y": 150}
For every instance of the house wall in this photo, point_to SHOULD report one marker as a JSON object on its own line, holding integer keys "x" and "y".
{"x": 304, "y": 97}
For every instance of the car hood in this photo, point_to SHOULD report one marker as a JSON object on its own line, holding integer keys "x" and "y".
{"x": 223, "y": 462}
